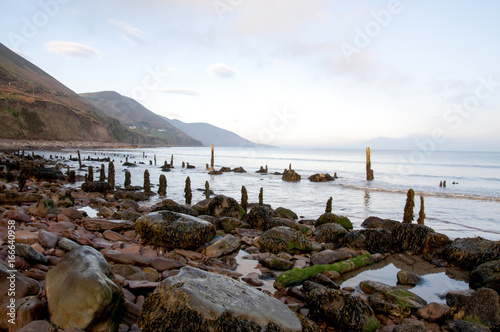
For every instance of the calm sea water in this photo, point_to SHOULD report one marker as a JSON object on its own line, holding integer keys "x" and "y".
{"x": 466, "y": 209}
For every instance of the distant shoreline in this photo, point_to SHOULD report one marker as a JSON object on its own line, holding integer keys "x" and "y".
{"x": 19, "y": 144}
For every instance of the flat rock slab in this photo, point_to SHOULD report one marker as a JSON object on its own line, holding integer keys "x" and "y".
{"x": 127, "y": 258}
{"x": 195, "y": 300}
{"x": 104, "y": 224}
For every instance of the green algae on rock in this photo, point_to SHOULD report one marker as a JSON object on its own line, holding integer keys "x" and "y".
{"x": 297, "y": 276}
{"x": 284, "y": 239}
{"x": 329, "y": 217}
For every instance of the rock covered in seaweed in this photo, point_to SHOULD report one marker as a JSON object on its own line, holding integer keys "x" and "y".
{"x": 81, "y": 293}
{"x": 222, "y": 206}
{"x": 97, "y": 186}
{"x": 259, "y": 216}
{"x": 486, "y": 275}
{"x": 329, "y": 217}
{"x": 342, "y": 310}
{"x": 371, "y": 240}
{"x": 418, "y": 239}
{"x": 468, "y": 253}
{"x": 174, "y": 230}
{"x": 196, "y": 300}
{"x": 284, "y": 239}
{"x": 482, "y": 306}
{"x": 330, "y": 233}
{"x": 379, "y": 223}
{"x": 323, "y": 177}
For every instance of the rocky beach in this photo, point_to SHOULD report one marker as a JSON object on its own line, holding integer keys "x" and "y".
{"x": 96, "y": 257}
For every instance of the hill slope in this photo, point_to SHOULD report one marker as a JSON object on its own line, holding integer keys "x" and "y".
{"x": 136, "y": 117}
{"x": 35, "y": 106}
{"x": 209, "y": 134}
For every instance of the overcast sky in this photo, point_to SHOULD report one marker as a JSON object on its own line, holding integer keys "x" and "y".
{"x": 279, "y": 72}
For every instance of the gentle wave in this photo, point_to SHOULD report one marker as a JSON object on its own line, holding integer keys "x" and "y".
{"x": 425, "y": 193}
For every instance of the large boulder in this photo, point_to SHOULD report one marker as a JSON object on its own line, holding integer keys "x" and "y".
{"x": 222, "y": 206}
{"x": 468, "y": 253}
{"x": 259, "y": 216}
{"x": 174, "y": 230}
{"x": 286, "y": 213}
{"x": 482, "y": 306}
{"x": 276, "y": 222}
{"x": 223, "y": 246}
{"x": 379, "y": 223}
{"x": 81, "y": 293}
{"x": 44, "y": 207}
{"x": 418, "y": 239}
{"x": 284, "y": 239}
{"x": 371, "y": 240}
{"x": 390, "y": 300}
{"x": 63, "y": 198}
{"x": 486, "y": 275}
{"x": 329, "y": 217}
{"x": 330, "y": 233}
{"x": 195, "y": 300}
{"x": 341, "y": 310}
{"x": 102, "y": 187}
{"x": 290, "y": 175}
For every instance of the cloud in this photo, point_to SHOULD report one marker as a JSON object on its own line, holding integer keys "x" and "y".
{"x": 186, "y": 92}
{"x": 221, "y": 70}
{"x": 128, "y": 32}
{"x": 72, "y": 49}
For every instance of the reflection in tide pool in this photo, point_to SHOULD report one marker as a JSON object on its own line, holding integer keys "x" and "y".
{"x": 431, "y": 287}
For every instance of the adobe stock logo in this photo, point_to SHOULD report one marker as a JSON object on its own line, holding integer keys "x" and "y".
{"x": 31, "y": 26}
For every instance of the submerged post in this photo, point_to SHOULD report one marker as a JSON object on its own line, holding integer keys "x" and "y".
{"x": 127, "y": 179}
{"x": 111, "y": 174}
{"x": 207, "y": 190}
{"x": 244, "y": 198}
{"x": 90, "y": 176}
{"x": 421, "y": 213}
{"x": 187, "y": 191}
{"x": 162, "y": 189}
{"x": 212, "y": 159}
{"x": 261, "y": 196}
{"x": 410, "y": 203}
{"x": 102, "y": 173}
{"x": 79, "y": 159}
{"x": 329, "y": 205}
{"x": 369, "y": 171}
{"x": 147, "y": 184}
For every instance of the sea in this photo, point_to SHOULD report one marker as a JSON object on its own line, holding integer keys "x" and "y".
{"x": 468, "y": 206}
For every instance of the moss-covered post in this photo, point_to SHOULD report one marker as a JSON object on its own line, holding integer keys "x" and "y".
{"x": 79, "y": 159}
{"x": 187, "y": 191}
{"x": 72, "y": 177}
{"x": 421, "y": 213}
{"x": 212, "y": 158}
{"x": 369, "y": 171}
{"x": 410, "y": 204}
{"x": 102, "y": 173}
{"x": 90, "y": 176}
{"x": 329, "y": 205}
{"x": 127, "y": 179}
{"x": 244, "y": 198}
{"x": 207, "y": 190}
{"x": 147, "y": 184}
{"x": 111, "y": 175}
{"x": 261, "y": 196}
{"x": 162, "y": 190}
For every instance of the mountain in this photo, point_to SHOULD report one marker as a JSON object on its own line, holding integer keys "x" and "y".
{"x": 137, "y": 118}
{"x": 35, "y": 106}
{"x": 209, "y": 134}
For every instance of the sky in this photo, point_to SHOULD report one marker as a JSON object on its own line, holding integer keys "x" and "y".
{"x": 280, "y": 72}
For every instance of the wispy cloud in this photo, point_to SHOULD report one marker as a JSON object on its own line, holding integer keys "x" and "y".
{"x": 221, "y": 70}
{"x": 186, "y": 92}
{"x": 128, "y": 32}
{"x": 72, "y": 49}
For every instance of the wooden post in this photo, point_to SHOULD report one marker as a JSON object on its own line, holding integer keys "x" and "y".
{"x": 410, "y": 203}
{"x": 212, "y": 159}
{"x": 172, "y": 161}
{"x": 162, "y": 190}
{"x": 421, "y": 213}
{"x": 244, "y": 198}
{"x": 102, "y": 173}
{"x": 155, "y": 159}
{"x": 207, "y": 190}
{"x": 369, "y": 171}
{"x": 187, "y": 191}
{"x": 79, "y": 159}
{"x": 111, "y": 175}
{"x": 90, "y": 177}
{"x": 147, "y": 184}
{"x": 261, "y": 196}
{"x": 127, "y": 179}
{"x": 329, "y": 205}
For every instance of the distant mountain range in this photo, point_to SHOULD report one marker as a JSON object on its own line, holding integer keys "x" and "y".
{"x": 35, "y": 106}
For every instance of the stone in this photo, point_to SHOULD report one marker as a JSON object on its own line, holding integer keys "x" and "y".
{"x": 44, "y": 207}
{"x": 28, "y": 309}
{"x": 25, "y": 237}
{"x": 482, "y": 306}
{"x": 38, "y": 326}
{"x": 67, "y": 244}
{"x": 371, "y": 240}
{"x": 229, "y": 224}
{"x": 221, "y": 206}
{"x": 290, "y": 175}
{"x": 72, "y": 213}
{"x": 17, "y": 216}
{"x": 174, "y": 230}
{"x": 418, "y": 239}
{"x": 128, "y": 214}
{"x": 143, "y": 276}
{"x": 407, "y": 278}
{"x": 410, "y": 325}
{"x": 434, "y": 312}
{"x": 342, "y": 311}
{"x": 330, "y": 233}
{"x": 104, "y": 224}
{"x": 127, "y": 258}
{"x": 81, "y": 293}
{"x": 195, "y": 300}
{"x": 114, "y": 236}
{"x": 284, "y": 239}
{"x": 322, "y": 279}
{"x": 379, "y": 223}
{"x": 486, "y": 275}
{"x": 276, "y": 263}
{"x": 286, "y": 213}
{"x": 457, "y": 325}
{"x": 321, "y": 177}
{"x": 276, "y": 222}
{"x": 30, "y": 254}
{"x": 63, "y": 198}
{"x": 164, "y": 264}
{"x": 223, "y": 246}
{"x": 329, "y": 217}
{"x": 468, "y": 253}
{"x": 259, "y": 216}
{"x": 24, "y": 286}
{"x": 47, "y": 239}
{"x": 330, "y": 256}
{"x": 125, "y": 270}
{"x": 395, "y": 301}
{"x": 18, "y": 198}
{"x": 102, "y": 187}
